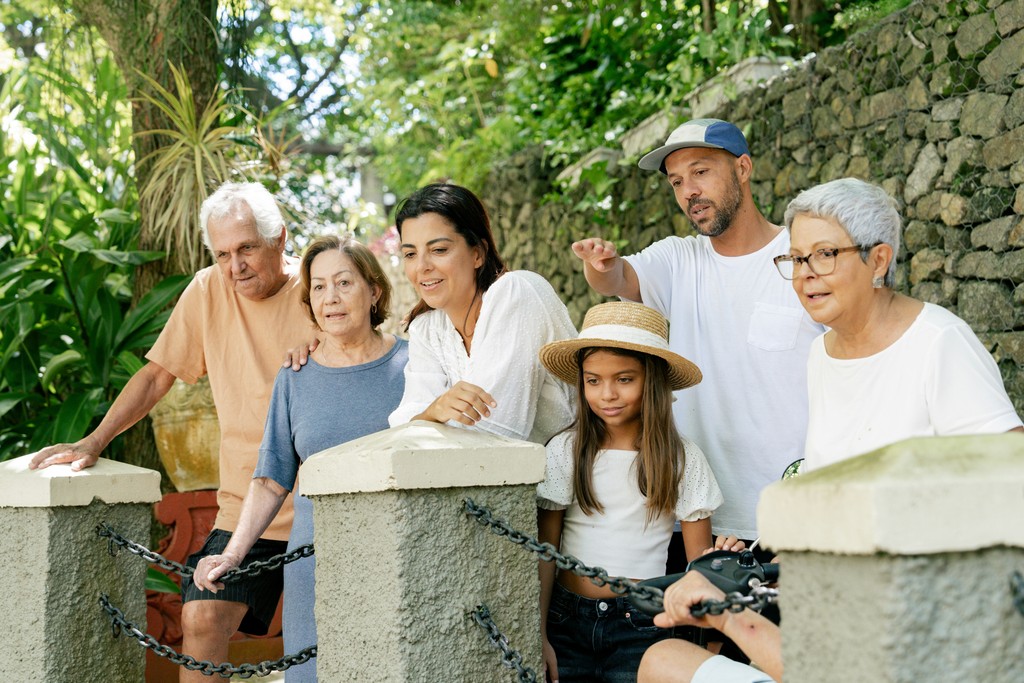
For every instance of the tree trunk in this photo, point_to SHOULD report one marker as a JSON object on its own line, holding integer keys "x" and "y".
{"x": 144, "y": 37}
{"x": 800, "y": 13}
{"x": 707, "y": 14}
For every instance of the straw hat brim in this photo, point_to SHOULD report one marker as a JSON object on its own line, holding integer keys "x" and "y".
{"x": 560, "y": 359}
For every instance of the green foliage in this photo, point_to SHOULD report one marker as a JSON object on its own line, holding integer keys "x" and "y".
{"x": 451, "y": 88}
{"x": 857, "y": 16}
{"x": 157, "y": 581}
{"x": 68, "y": 234}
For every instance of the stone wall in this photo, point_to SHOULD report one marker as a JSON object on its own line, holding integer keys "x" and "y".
{"x": 928, "y": 104}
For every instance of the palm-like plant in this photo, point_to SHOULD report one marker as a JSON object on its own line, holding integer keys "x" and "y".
{"x": 205, "y": 147}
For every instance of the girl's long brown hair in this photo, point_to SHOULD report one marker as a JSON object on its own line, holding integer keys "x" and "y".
{"x": 661, "y": 454}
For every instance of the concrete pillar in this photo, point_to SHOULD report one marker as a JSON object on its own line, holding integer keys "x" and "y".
{"x": 400, "y": 567}
{"x": 896, "y": 564}
{"x": 53, "y": 568}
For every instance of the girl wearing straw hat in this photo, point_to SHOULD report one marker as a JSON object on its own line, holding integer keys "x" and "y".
{"x": 616, "y": 483}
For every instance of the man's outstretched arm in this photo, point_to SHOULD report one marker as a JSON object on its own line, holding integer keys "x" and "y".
{"x": 607, "y": 273}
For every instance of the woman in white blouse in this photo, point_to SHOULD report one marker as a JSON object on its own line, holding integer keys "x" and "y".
{"x": 476, "y": 331}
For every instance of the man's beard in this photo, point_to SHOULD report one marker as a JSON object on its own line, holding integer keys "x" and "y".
{"x": 724, "y": 213}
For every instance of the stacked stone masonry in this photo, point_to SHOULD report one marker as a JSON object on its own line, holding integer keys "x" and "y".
{"x": 928, "y": 103}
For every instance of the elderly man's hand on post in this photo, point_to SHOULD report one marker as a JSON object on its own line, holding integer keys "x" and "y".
{"x": 598, "y": 253}
{"x": 81, "y": 454}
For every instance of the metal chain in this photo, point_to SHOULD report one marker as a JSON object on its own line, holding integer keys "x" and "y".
{"x": 547, "y": 552}
{"x": 758, "y": 598}
{"x": 1017, "y": 590}
{"x": 737, "y": 602}
{"x": 255, "y": 568}
{"x": 510, "y": 657}
{"x": 119, "y": 623}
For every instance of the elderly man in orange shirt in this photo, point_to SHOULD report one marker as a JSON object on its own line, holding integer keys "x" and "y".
{"x": 233, "y": 322}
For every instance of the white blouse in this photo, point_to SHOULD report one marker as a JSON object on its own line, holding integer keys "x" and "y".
{"x": 619, "y": 539}
{"x": 519, "y": 314}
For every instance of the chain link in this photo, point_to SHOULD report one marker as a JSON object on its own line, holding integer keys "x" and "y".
{"x": 736, "y": 602}
{"x": 255, "y": 568}
{"x": 120, "y": 624}
{"x": 510, "y": 657}
{"x": 1017, "y": 590}
{"x": 548, "y": 553}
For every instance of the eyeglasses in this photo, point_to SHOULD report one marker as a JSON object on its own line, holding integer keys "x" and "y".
{"x": 821, "y": 262}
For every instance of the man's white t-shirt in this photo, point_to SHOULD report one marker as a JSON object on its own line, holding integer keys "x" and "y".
{"x": 936, "y": 379}
{"x": 742, "y": 324}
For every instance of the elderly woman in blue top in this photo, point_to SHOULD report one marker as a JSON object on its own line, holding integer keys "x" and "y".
{"x": 352, "y": 382}
{"x": 890, "y": 367}
{"x": 476, "y": 331}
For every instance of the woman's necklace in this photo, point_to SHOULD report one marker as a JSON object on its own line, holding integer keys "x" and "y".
{"x": 466, "y": 336}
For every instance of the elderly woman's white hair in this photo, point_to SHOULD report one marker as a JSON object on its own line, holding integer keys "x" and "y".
{"x": 865, "y": 211}
{"x": 259, "y": 200}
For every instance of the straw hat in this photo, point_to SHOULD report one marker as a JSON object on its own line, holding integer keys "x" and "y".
{"x": 620, "y": 325}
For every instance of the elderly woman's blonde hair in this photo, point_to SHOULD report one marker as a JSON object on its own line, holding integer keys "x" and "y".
{"x": 367, "y": 265}
{"x": 865, "y": 211}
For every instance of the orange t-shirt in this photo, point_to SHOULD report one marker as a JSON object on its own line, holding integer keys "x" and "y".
{"x": 240, "y": 344}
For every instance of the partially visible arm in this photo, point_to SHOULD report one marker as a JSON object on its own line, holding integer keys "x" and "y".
{"x": 759, "y": 638}
{"x": 696, "y": 537}
{"x": 549, "y": 530}
{"x": 261, "y": 505}
{"x": 607, "y": 273}
{"x": 425, "y": 379}
{"x": 140, "y": 394}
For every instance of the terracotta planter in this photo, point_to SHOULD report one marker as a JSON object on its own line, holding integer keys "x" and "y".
{"x": 188, "y": 435}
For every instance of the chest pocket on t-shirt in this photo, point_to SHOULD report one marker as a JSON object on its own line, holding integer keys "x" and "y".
{"x": 774, "y": 328}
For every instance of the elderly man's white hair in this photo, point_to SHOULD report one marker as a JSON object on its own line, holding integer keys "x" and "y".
{"x": 227, "y": 198}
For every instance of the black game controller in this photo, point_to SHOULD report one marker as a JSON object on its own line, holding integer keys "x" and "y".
{"x": 731, "y": 572}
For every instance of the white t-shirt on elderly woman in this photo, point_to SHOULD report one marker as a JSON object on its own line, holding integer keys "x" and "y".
{"x": 936, "y": 379}
{"x": 520, "y": 313}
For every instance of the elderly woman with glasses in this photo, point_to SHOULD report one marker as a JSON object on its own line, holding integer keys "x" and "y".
{"x": 890, "y": 367}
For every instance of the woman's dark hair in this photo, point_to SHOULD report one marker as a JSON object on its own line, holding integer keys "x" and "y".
{"x": 467, "y": 215}
{"x": 365, "y": 262}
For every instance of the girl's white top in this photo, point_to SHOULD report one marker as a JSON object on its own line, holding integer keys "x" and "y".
{"x": 618, "y": 539}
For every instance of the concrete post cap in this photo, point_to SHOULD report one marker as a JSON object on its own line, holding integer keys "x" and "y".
{"x": 60, "y": 486}
{"x": 915, "y": 497}
{"x": 422, "y": 455}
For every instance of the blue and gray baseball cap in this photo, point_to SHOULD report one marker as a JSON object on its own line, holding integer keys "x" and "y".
{"x": 711, "y": 133}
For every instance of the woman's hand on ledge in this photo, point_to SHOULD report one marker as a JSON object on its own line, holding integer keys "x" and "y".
{"x": 464, "y": 403}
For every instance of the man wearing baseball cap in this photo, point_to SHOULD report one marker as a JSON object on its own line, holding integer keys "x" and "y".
{"x": 729, "y": 312}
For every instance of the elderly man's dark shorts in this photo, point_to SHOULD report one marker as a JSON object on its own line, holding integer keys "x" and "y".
{"x": 261, "y": 592}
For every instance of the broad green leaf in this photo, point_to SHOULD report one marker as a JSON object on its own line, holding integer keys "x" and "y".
{"x": 149, "y": 306}
{"x": 126, "y": 258}
{"x": 14, "y": 266}
{"x": 157, "y": 581}
{"x": 129, "y": 362}
{"x": 80, "y": 242}
{"x": 9, "y": 400}
{"x": 115, "y": 216}
{"x": 57, "y": 364}
{"x": 74, "y": 416}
